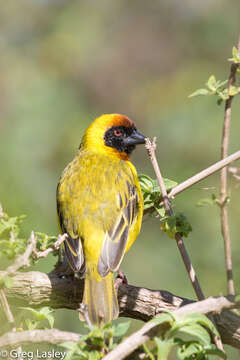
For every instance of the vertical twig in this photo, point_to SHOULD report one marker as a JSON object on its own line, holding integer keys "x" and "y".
{"x": 6, "y": 307}
{"x": 223, "y": 192}
{"x": 3, "y": 298}
{"x": 9, "y": 316}
{"x": 151, "y": 147}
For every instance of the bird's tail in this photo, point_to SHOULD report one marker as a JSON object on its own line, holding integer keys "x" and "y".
{"x": 100, "y": 298}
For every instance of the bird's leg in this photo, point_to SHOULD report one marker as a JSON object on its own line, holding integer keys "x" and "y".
{"x": 83, "y": 314}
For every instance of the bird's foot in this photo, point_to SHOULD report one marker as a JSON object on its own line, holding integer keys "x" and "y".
{"x": 121, "y": 278}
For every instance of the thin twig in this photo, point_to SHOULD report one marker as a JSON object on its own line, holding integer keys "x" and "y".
{"x": 42, "y": 254}
{"x": 200, "y": 176}
{"x": 204, "y": 173}
{"x": 151, "y": 147}
{"x": 6, "y": 307}
{"x": 235, "y": 172}
{"x": 149, "y": 330}
{"x": 23, "y": 260}
{"x": 223, "y": 192}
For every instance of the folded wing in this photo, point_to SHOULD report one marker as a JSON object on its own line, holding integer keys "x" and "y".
{"x": 116, "y": 237}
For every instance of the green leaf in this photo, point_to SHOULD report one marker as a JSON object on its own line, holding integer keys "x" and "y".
{"x": 163, "y": 318}
{"x": 96, "y": 332}
{"x": 35, "y": 313}
{"x": 211, "y": 83}
{"x": 212, "y": 350}
{"x": 31, "y": 324}
{"x": 95, "y": 355}
{"x": 151, "y": 192}
{"x": 197, "y": 331}
{"x": 188, "y": 349}
{"x": 220, "y": 84}
{"x": 10, "y": 223}
{"x": 6, "y": 282}
{"x": 160, "y": 210}
{"x": 207, "y": 201}
{"x": 150, "y": 185}
{"x": 199, "y": 92}
{"x": 146, "y": 183}
{"x": 47, "y": 313}
{"x": 44, "y": 241}
{"x": 148, "y": 352}
{"x": 70, "y": 345}
{"x": 233, "y": 90}
{"x": 235, "y": 52}
{"x": 235, "y": 56}
{"x": 201, "y": 319}
{"x": 169, "y": 184}
{"x": 10, "y": 243}
{"x": 73, "y": 348}
{"x": 224, "y": 95}
{"x": 176, "y": 224}
{"x": 121, "y": 329}
{"x": 42, "y": 314}
{"x": 163, "y": 348}
{"x": 237, "y": 298}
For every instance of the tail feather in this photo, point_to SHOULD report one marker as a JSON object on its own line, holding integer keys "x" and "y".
{"x": 100, "y": 298}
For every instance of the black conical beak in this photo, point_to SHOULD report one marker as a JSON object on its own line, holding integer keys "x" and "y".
{"x": 135, "y": 138}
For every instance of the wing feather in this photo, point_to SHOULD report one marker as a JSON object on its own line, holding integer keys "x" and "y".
{"x": 116, "y": 237}
{"x": 73, "y": 246}
{"x": 74, "y": 253}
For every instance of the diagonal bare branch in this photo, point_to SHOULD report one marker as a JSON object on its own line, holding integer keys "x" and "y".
{"x": 151, "y": 329}
{"x": 200, "y": 176}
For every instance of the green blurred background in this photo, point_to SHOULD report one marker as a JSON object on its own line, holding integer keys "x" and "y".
{"x": 63, "y": 63}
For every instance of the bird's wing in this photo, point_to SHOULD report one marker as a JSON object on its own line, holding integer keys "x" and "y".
{"x": 115, "y": 240}
{"x": 74, "y": 254}
{"x": 73, "y": 245}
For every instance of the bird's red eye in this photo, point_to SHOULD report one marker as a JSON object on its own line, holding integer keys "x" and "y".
{"x": 118, "y": 132}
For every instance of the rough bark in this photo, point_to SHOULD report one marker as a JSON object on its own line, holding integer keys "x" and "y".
{"x": 38, "y": 289}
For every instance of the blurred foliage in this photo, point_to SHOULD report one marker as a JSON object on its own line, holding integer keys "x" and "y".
{"x": 40, "y": 316}
{"x": 188, "y": 335}
{"x": 10, "y": 242}
{"x": 98, "y": 342}
{"x": 65, "y": 62}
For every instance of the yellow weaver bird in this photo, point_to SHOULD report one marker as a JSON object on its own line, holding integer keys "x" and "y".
{"x": 100, "y": 207}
